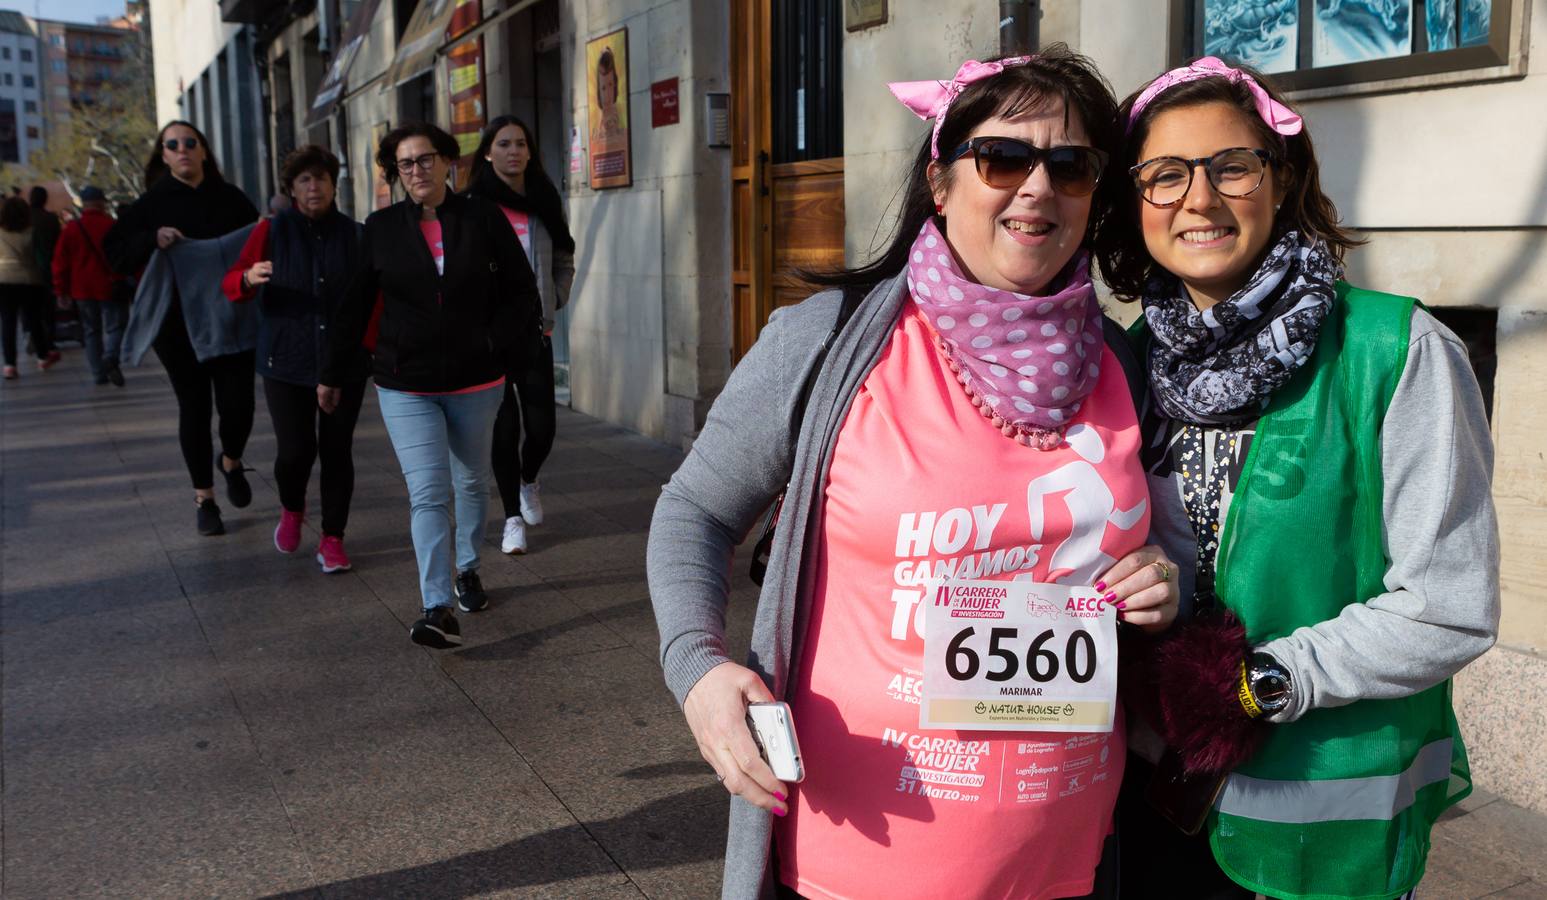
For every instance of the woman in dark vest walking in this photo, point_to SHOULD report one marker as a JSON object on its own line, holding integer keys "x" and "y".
{"x": 297, "y": 264}
{"x": 187, "y": 198}
{"x": 507, "y": 171}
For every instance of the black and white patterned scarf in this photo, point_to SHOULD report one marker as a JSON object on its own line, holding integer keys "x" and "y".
{"x": 1219, "y": 366}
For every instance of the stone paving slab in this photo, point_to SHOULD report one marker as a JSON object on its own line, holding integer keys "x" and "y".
{"x": 195, "y": 717}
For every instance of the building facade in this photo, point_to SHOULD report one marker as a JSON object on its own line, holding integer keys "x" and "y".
{"x": 724, "y": 145}
{"x": 21, "y": 89}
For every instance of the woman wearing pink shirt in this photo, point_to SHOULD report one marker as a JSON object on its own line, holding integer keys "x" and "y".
{"x": 971, "y": 416}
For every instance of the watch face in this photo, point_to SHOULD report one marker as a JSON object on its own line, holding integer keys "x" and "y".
{"x": 1270, "y": 689}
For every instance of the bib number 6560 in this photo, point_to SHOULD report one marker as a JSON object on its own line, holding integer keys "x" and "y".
{"x": 962, "y": 662}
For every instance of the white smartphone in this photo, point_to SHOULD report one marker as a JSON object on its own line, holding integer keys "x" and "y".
{"x": 774, "y": 730}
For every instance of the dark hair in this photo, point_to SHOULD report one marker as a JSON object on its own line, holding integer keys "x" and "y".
{"x": 1125, "y": 262}
{"x": 605, "y": 66}
{"x": 38, "y": 196}
{"x": 386, "y": 154}
{"x": 1055, "y": 72}
{"x": 156, "y": 167}
{"x": 310, "y": 158}
{"x": 534, "y": 167}
{"x": 15, "y": 214}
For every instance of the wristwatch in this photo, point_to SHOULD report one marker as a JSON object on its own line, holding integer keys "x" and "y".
{"x": 1267, "y": 682}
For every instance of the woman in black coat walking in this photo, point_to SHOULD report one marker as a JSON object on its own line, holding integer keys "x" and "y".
{"x": 458, "y": 309}
{"x": 187, "y": 198}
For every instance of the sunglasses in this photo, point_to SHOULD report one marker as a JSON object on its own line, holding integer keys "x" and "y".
{"x": 1165, "y": 180}
{"x": 425, "y": 162}
{"x": 1003, "y": 163}
{"x": 175, "y": 144}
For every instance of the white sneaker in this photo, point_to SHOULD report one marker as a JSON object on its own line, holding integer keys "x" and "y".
{"x": 531, "y": 504}
{"x": 514, "y": 541}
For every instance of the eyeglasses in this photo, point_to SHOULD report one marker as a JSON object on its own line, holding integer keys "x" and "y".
{"x": 425, "y": 162}
{"x": 174, "y": 144}
{"x": 1004, "y": 163}
{"x": 1236, "y": 172}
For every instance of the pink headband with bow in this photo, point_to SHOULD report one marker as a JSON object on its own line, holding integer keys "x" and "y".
{"x": 930, "y": 99}
{"x": 1279, "y": 117}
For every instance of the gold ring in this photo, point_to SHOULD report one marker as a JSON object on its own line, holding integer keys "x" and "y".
{"x": 1165, "y": 570}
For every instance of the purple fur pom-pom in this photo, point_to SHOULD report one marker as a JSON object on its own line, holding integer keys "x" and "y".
{"x": 1197, "y": 672}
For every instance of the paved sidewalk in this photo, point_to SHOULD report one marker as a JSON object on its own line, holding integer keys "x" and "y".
{"x": 200, "y": 717}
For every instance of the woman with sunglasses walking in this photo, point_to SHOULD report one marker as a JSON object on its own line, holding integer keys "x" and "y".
{"x": 1320, "y": 463}
{"x": 458, "y": 308}
{"x": 186, "y": 198}
{"x": 506, "y": 170}
{"x": 970, "y": 428}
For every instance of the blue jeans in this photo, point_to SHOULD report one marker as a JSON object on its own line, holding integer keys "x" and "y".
{"x": 102, "y": 331}
{"x": 442, "y": 443}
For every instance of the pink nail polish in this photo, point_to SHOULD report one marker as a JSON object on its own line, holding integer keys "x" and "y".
{"x": 1111, "y": 597}
{"x": 1121, "y": 604}
{"x": 1101, "y": 585}
{"x": 781, "y": 797}
{"x": 781, "y": 813}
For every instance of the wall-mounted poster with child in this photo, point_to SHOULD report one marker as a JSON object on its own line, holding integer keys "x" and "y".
{"x": 607, "y": 110}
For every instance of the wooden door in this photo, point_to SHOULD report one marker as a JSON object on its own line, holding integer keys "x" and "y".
{"x": 786, "y": 154}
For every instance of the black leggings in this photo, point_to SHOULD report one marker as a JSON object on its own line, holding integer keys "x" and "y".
{"x": 515, "y": 461}
{"x": 230, "y": 377}
{"x": 23, "y": 302}
{"x": 303, "y": 432}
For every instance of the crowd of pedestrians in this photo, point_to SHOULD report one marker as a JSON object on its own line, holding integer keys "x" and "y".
{"x": 1294, "y": 583}
{"x": 1281, "y": 482}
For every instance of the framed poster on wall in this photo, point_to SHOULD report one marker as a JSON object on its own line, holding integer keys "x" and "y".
{"x": 607, "y": 110}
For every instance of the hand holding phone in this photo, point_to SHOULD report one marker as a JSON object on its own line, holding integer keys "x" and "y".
{"x": 773, "y": 728}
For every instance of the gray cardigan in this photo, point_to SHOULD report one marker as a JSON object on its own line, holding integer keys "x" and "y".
{"x": 741, "y": 461}
{"x": 189, "y": 272}
{"x": 554, "y": 268}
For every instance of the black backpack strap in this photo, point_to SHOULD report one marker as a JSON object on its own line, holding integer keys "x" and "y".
{"x": 853, "y": 296}
{"x": 1117, "y": 340}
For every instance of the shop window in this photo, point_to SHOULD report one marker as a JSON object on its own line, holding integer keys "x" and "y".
{"x": 1309, "y": 44}
{"x": 1479, "y": 330}
{"x": 807, "y": 101}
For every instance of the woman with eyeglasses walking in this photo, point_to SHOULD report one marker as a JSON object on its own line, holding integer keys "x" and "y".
{"x": 971, "y": 420}
{"x": 458, "y": 308}
{"x": 203, "y": 350}
{"x": 1320, "y": 463}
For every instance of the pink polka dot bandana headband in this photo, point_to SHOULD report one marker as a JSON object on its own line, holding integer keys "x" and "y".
{"x": 1026, "y": 362}
{"x": 931, "y": 99}
{"x": 1279, "y": 117}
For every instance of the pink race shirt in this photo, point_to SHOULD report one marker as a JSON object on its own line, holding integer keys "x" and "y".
{"x": 521, "y": 224}
{"x": 430, "y": 228}
{"x": 921, "y": 484}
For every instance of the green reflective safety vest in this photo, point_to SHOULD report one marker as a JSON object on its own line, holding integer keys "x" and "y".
{"x": 1339, "y": 803}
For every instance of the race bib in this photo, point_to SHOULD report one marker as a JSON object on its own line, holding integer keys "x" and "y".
{"x": 1018, "y": 656}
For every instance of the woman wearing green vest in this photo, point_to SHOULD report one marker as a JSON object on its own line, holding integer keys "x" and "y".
{"x": 1320, "y": 465}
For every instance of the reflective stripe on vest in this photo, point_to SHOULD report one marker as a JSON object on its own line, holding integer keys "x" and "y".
{"x": 1337, "y": 799}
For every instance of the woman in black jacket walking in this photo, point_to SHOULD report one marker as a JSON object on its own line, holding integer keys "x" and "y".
{"x": 507, "y": 171}
{"x": 458, "y": 309}
{"x": 187, "y": 198}
{"x": 297, "y": 263}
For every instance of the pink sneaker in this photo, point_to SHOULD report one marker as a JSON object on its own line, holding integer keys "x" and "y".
{"x": 46, "y": 362}
{"x": 330, "y": 552}
{"x": 287, "y": 535}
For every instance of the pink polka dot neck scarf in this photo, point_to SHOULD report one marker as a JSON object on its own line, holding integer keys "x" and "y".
{"x": 1026, "y": 362}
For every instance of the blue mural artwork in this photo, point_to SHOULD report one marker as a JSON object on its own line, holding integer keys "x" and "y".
{"x": 1260, "y": 33}
{"x": 1446, "y": 33}
{"x": 1351, "y": 31}
{"x": 1476, "y": 17}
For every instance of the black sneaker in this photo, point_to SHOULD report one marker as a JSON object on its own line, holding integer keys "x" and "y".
{"x": 115, "y": 374}
{"x": 238, "y": 491}
{"x": 209, "y": 518}
{"x": 437, "y": 629}
{"x": 469, "y": 591}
